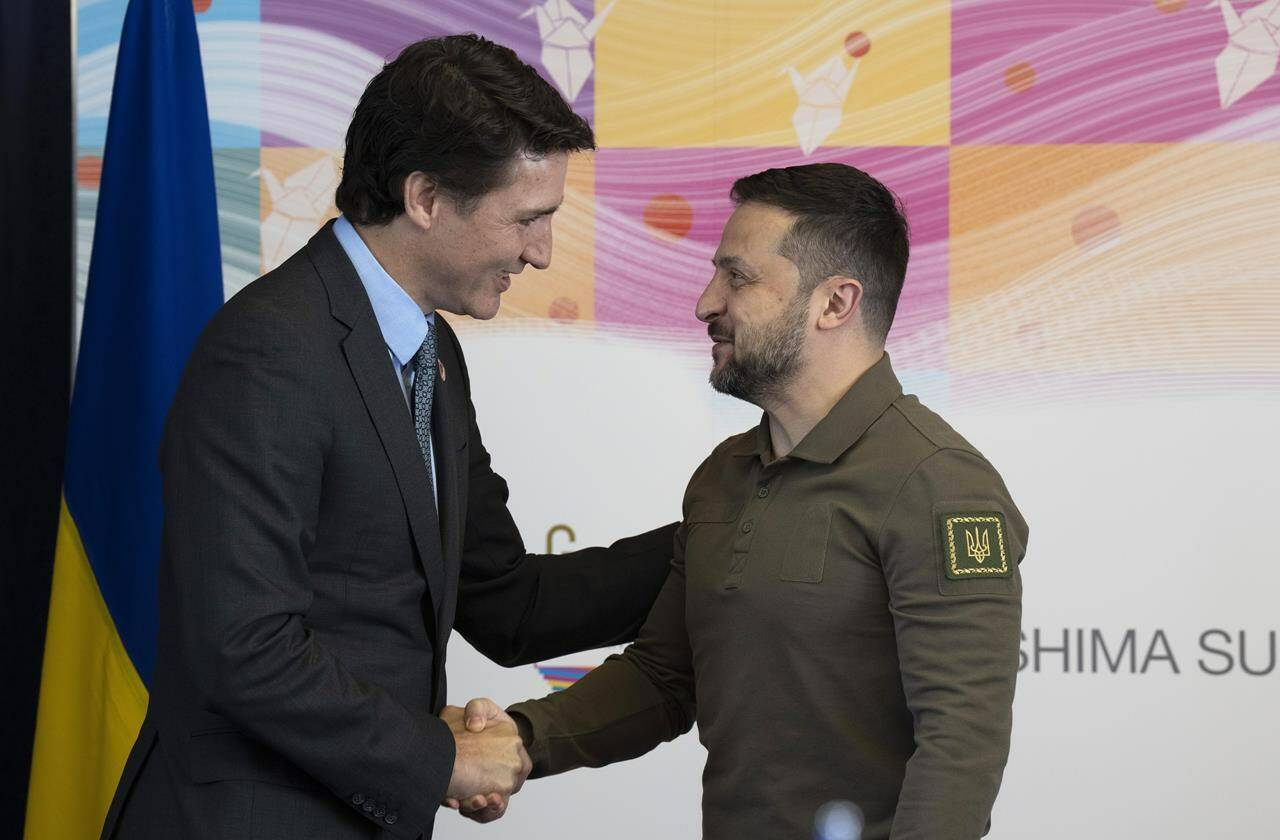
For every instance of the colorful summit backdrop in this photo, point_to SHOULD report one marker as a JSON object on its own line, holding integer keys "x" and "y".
{"x": 1093, "y": 298}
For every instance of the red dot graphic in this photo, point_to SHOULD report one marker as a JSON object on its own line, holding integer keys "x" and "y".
{"x": 857, "y": 44}
{"x": 89, "y": 171}
{"x": 1020, "y": 77}
{"x": 669, "y": 214}
{"x": 563, "y": 309}
{"x": 1094, "y": 225}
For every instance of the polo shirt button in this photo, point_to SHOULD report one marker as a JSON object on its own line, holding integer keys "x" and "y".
{"x": 747, "y": 526}
{"x": 762, "y": 492}
{"x": 357, "y": 799}
{"x": 390, "y": 819}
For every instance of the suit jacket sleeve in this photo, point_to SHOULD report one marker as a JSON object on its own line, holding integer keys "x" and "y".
{"x": 516, "y": 607}
{"x": 242, "y": 461}
{"x": 957, "y": 648}
{"x": 627, "y": 706}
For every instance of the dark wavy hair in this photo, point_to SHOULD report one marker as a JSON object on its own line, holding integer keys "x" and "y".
{"x": 459, "y": 108}
{"x": 846, "y": 223}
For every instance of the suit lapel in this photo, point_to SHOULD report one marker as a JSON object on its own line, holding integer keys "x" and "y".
{"x": 450, "y": 432}
{"x": 371, "y": 367}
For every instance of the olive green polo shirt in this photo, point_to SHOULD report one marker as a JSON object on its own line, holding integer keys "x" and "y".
{"x": 841, "y": 622}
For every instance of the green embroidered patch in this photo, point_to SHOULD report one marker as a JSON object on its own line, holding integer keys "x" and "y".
{"x": 974, "y": 546}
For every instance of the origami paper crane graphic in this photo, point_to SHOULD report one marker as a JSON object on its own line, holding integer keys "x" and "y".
{"x": 298, "y": 206}
{"x": 822, "y": 94}
{"x": 566, "y": 43}
{"x": 1252, "y": 50}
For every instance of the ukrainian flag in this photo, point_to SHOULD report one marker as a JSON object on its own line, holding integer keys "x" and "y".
{"x": 155, "y": 278}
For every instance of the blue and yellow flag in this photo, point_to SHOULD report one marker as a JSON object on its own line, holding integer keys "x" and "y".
{"x": 155, "y": 278}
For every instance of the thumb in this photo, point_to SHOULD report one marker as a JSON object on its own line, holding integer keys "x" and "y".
{"x": 479, "y": 712}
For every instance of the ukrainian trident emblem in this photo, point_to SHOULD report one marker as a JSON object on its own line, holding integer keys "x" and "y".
{"x": 978, "y": 544}
{"x": 983, "y": 541}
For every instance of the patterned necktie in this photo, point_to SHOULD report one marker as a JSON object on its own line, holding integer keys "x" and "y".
{"x": 424, "y": 386}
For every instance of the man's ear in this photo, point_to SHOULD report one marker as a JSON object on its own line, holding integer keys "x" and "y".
{"x": 842, "y": 300}
{"x": 422, "y": 199}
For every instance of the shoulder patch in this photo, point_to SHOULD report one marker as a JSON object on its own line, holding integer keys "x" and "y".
{"x": 974, "y": 545}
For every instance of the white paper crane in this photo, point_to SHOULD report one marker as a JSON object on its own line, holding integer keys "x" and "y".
{"x": 566, "y": 43}
{"x": 822, "y": 94}
{"x": 298, "y": 207}
{"x": 1252, "y": 50}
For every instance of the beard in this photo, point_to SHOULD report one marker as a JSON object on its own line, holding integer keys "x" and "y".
{"x": 764, "y": 361}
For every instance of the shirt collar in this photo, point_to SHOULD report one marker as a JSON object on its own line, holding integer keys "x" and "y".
{"x": 848, "y": 420}
{"x": 403, "y": 324}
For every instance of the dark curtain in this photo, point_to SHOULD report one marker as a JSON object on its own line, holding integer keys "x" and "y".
{"x": 37, "y": 207}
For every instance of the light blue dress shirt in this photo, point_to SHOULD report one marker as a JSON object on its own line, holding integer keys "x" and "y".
{"x": 404, "y": 326}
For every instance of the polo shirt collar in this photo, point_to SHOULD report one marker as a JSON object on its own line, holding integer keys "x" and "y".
{"x": 848, "y": 420}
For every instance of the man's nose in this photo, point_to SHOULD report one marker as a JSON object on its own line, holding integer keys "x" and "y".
{"x": 710, "y": 303}
{"x": 537, "y": 251}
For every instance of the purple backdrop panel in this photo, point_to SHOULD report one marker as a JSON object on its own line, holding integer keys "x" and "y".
{"x": 1114, "y": 71}
{"x": 356, "y": 38}
{"x": 659, "y": 213}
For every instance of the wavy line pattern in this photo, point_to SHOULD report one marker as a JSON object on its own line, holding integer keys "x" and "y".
{"x": 1104, "y": 72}
{"x": 643, "y": 276}
{"x": 382, "y": 28}
{"x": 1184, "y": 286}
{"x": 1087, "y": 220}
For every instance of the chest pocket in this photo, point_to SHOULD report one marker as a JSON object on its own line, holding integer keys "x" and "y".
{"x": 806, "y": 555}
{"x": 709, "y": 537}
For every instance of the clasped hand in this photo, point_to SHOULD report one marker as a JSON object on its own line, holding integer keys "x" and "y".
{"x": 491, "y": 762}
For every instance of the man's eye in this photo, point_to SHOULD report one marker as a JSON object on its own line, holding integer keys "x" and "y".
{"x": 527, "y": 222}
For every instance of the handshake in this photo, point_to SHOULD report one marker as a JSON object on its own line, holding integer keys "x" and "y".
{"x": 491, "y": 762}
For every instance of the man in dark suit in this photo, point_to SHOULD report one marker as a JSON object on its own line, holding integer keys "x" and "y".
{"x": 330, "y": 510}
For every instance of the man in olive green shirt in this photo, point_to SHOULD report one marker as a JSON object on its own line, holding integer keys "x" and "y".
{"x": 842, "y": 614}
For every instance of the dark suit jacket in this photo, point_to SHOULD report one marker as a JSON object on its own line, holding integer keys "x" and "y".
{"x": 308, "y": 585}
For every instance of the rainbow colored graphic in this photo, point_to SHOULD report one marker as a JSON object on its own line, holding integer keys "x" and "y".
{"x": 560, "y": 677}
